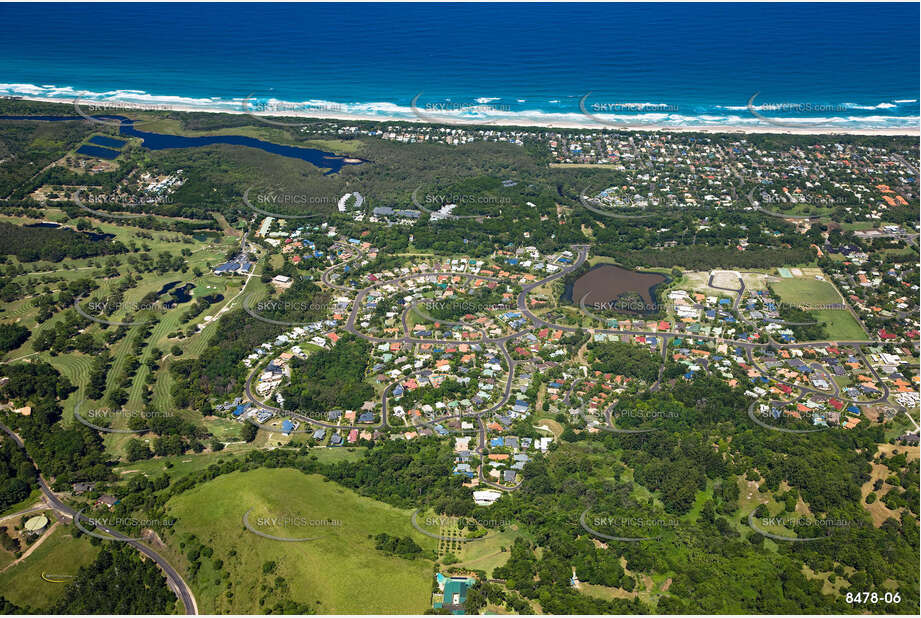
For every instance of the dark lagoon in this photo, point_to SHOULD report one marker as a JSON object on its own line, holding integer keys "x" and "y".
{"x": 108, "y": 142}
{"x": 91, "y": 235}
{"x": 178, "y": 295}
{"x": 98, "y": 152}
{"x": 606, "y": 284}
{"x": 319, "y": 158}
{"x": 162, "y": 141}
{"x": 167, "y": 287}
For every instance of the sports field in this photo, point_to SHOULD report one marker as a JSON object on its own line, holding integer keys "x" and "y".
{"x": 807, "y": 291}
{"x": 813, "y": 295}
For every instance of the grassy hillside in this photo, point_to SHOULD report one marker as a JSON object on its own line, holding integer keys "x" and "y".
{"x": 60, "y": 554}
{"x": 341, "y": 572}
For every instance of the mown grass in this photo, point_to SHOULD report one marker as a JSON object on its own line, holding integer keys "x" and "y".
{"x": 807, "y": 291}
{"x": 76, "y": 366}
{"x": 178, "y": 466}
{"x": 840, "y": 324}
{"x": 60, "y": 554}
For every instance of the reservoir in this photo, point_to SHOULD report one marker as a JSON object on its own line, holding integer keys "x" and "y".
{"x": 604, "y": 284}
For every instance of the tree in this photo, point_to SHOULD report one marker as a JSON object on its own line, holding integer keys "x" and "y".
{"x": 117, "y": 582}
{"x": 12, "y": 336}
{"x": 249, "y": 432}
{"x": 136, "y": 450}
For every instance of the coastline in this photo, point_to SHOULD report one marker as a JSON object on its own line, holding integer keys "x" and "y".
{"x": 516, "y": 121}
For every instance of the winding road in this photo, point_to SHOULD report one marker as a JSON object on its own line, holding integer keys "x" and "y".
{"x": 502, "y": 341}
{"x": 173, "y": 578}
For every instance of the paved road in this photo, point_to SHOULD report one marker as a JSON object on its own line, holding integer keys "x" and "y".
{"x": 657, "y": 385}
{"x": 483, "y": 478}
{"x": 738, "y": 291}
{"x": 385, "y": 403}
{"x": 540, "y": 322}
{"x": 173, "y": 578}
{"x": 884, "y": 389}
{"x": 506, "y": 395}
{"x": 34, "y": 509}
{"x": 405, "y": 340}
{"x": 357, "y": 304}
{"x": 414, "y": 307}
{"x": 582, "y": 255}
{"x": 326, "y": 277}
{"x": 536, "y": 322}
{"x": 572, "y": 387}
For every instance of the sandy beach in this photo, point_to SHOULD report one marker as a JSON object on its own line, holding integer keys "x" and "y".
{"x": 127, "y": 107}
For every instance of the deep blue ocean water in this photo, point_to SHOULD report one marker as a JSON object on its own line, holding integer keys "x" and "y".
{"x": 847, "y": 65}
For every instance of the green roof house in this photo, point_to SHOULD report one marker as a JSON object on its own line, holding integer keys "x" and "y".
{"x": 454, "y": 593}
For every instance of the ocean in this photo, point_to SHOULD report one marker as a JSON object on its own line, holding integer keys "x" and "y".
{"x": 839, "y": 66}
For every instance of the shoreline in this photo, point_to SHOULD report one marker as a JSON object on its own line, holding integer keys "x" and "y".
{"x": 121, "y": 107}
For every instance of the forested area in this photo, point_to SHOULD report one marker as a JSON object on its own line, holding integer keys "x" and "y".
{"x": 17, "y": 475}
{"x": 697, "y": 475}
{"x": 27, "y": 147}
{"x": 216, "y": 177}
{"x": 625, "y": 359}
{"x": 217, "y": 372}
{"x": 329, "y": 379}
{"x": 118, "y": 582}
{"x": 30, "y": 244}
{"x": 701, "y": 543}
{"x": 12, "y": 336}
{"x": 405, "y": 546}
{"x": 802, "y": 323}
{"x": 67, "y": 454}
{"x": 459, "y": 305}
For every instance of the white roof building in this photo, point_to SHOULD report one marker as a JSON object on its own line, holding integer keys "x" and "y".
{"x": 486, "y": 497}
